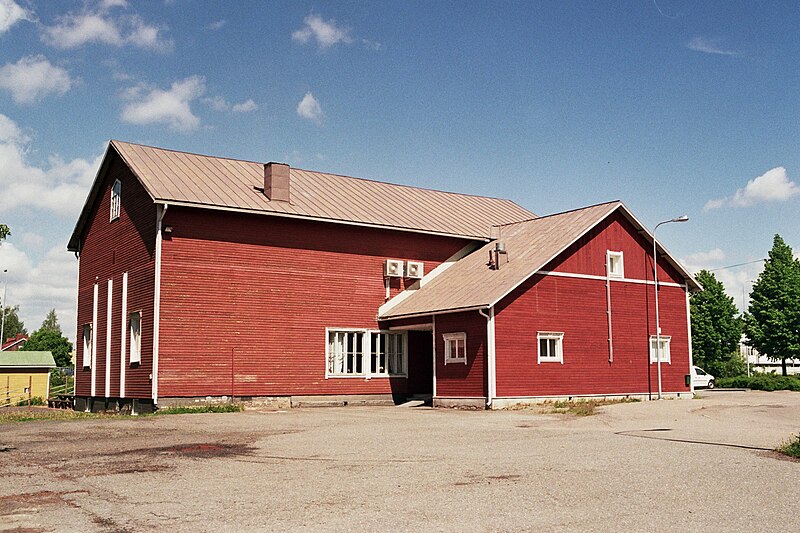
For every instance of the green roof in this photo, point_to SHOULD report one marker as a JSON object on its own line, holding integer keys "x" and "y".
{"x": 26, "y": 359}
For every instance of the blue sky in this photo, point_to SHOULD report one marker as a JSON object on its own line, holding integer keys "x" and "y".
{"x": 674, "y": 107}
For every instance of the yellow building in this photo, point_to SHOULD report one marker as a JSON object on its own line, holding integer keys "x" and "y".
{"x": 24, "y": 375}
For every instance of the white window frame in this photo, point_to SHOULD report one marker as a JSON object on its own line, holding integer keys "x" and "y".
{"x": 116, "y": 199}
{"x": 620, "y": 272}
{"x": 134, "y": 340}
{"x": 87, "y": 345}
{"x": 558, "y": 337}
{"x": 366, "y": 353}
{"x": 452, "y": 340}
{"x": 665, "y": 351}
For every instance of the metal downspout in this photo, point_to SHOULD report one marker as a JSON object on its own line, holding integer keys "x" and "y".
{"x": 491, "y": 380}
{"x": 157, "y": 300}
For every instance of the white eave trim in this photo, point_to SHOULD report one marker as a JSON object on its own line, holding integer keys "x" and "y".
{"x": 437, "y": 312}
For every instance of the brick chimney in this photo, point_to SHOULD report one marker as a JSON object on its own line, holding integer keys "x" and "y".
{"x": 276, "y": 182}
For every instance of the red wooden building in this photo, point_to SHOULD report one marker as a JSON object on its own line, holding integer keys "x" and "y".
{"x": 209, "y": 277}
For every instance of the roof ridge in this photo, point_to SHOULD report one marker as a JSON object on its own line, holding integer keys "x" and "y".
{"x": 440, "y": 191}
{"x": 539, "y": 218}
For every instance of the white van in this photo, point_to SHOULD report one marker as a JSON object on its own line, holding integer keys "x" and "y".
{"x": 702, "y": 379}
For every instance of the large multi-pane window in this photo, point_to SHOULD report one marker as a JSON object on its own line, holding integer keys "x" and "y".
{"x": 366, "y": 353}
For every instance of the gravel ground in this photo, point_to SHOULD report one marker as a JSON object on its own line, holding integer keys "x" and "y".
{"x": 680, "y": 465}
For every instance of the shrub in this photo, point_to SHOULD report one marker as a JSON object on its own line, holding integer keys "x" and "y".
{"x": 761, "y": 381}
{"x": 791, "y": 448}
{"x": 183, "y": 410}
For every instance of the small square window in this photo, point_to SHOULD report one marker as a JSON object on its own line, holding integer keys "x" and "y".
{"x": 665, "y": 355}
{"x": 615, "y": 264}
{"x": 116, "y": 195}
{"x": 455, "y": 347}
{"x": 135, "y": 349}
{"x": 551, "y": 348}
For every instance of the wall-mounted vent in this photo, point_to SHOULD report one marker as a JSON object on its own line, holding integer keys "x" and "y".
{"x": 393, "y": 268}
{"x": 415, "y": 270}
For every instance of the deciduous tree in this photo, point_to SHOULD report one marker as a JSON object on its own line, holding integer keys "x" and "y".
{"x": 716, "y": 326}
{"x": 773, "y": 322}
{"x": 51, "y": 341}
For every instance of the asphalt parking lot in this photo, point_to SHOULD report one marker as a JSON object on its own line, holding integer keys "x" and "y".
{"x": 680, "y": 465}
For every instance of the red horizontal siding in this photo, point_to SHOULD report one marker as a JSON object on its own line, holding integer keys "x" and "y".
{"x": 457, "y": 380}
{"x": 108, "y": 249}
{"x": 588, "y": 254}
{"x": 245, "y": 300}
{"x": 577, "y": 307}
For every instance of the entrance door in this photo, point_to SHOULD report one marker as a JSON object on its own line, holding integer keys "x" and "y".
{"x": 420, "y": 362}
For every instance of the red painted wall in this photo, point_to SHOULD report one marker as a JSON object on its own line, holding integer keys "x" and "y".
{"x": 457, "y": 380}
{"x": 108, "y": 249}
{"x": 577, "y": 307}
{"x": 245, "y": 300}
{"x": 588, "y": 254}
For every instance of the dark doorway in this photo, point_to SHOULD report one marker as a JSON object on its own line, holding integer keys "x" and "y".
{"x": 420, "y": 363}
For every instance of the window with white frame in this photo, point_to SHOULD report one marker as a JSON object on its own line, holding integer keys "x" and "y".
{"x": 665, "y": 357}
{"x": 616, "y": 266}
{"x": 87, "y": 345}
{"x": 455, "y": 347}
{"x": 388, "y": 353}
{"x": 116, "y": 195}
{"x": 551, "y": 347}
{"x": 366, "y": 353}
{"x": 135, "y": 349}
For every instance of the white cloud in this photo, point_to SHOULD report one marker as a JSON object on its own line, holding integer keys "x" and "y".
{"x": 245, "y": 107}
{"x": 772, "y": 186}
{"x": 32, "y": 78}
{"x": 217, "y": 24}
{"x": 60, "y": 187}
{"x": 325, "y": 33}
{"x": 699, "y": 44}
{"x": 309, "y": 108}
{"x": 77, "y": 29}
{"x": 218, "y": 103}
{"x": 108, "y": 4}
{"x": 700, "y": 260}
{"x": 10, "y": 14}
{"x": 157, "y": 106}
{"x": 38, "y": 286}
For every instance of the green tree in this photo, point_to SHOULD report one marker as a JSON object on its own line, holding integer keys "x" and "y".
{"x": 773, "y": 322}
{"x": 12, "y": 325}
{"x": 51, "y": 341}
{"x": 51, "y": 322}
{"x": 4, "y": 232}
{"x": 716, "y": 327}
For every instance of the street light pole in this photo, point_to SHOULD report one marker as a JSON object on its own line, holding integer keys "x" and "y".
{"x": 682, "y": 218}
{"x": 3, "y": 309}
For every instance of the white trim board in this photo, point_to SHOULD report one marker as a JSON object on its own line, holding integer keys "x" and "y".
{"x": 603, "y": 278}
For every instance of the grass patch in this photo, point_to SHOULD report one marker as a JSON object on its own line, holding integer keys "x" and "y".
{"x": 791, "y": 448}
{"x": 761, "y": 381}
{"x": 11, "y": 415}
{"x": 185, "y": 410}
{"x": 581, "y": 407}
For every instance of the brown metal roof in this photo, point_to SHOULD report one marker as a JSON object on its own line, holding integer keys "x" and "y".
{"x": 531, "y": 245}
{"x": 205, "y": 181}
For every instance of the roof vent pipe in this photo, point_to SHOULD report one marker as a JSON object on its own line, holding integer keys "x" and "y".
{"x": 495, "y": 255}
{"x": 276, "y": 182}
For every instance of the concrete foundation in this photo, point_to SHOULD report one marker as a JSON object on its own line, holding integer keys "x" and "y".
{"x": 506, "y": 403}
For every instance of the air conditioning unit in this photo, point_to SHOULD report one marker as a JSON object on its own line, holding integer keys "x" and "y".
{"x": 415, "y": 269}
{"x": 393, "y": 268}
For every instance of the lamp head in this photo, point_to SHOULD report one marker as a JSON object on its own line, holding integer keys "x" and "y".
{"x": 682, "y": 218}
